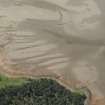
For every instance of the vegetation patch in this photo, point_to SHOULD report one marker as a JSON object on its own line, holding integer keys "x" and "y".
{"x": 40, "y": 92}
{"x": 6, "y": 81}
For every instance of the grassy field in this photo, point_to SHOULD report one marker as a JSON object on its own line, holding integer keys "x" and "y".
{"x": 7, "y": 81}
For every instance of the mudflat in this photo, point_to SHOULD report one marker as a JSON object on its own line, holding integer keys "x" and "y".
{"x": 65, "y": 38}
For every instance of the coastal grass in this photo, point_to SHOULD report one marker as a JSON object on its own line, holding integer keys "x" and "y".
{"x": 6, "y": 81}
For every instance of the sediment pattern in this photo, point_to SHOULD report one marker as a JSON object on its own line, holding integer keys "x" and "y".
{"x": 61, "y": 37}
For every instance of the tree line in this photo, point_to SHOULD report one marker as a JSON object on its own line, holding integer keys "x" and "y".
{"x": 40, "y": 92}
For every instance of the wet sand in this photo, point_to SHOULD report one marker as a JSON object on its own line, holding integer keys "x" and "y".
{"x": 63, "y": 38}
